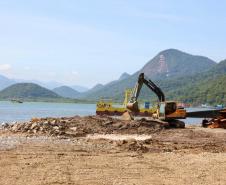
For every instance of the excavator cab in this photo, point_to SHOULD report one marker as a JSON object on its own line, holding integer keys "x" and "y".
{"x": 166, "y": 109}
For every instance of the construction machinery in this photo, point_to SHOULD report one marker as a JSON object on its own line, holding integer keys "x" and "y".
{"x": 166, "y": 110}
{"x": 107, "y": 107}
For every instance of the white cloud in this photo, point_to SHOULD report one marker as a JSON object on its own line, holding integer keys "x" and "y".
{"x": 5, "y": 67}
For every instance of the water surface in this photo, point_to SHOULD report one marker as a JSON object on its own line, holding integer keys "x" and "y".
{"x": 11, "y": 112}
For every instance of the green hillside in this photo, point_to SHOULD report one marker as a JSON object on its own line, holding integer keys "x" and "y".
{"x": 113, "y": 90}
{"x": 207, "y": 87}
{"x": 204, "y": 91}
{"x": 34, "y": 92}
{"x": 27, "y": 91}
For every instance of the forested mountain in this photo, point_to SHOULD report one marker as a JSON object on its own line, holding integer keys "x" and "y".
{"x": 175, "y": 63}
{"x": 26, "y": 91}
{"x": 167, "y": 67}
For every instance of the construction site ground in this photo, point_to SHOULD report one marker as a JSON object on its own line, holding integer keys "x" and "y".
{"x": 100, "y": 150}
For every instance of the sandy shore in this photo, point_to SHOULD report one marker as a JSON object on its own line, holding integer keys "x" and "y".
{"x": 193, "y": 155}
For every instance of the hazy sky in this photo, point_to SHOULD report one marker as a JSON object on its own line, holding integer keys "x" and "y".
{"x": 93, "y": 41}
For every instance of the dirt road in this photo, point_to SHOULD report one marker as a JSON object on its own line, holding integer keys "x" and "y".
{"x": 174, "y": 156}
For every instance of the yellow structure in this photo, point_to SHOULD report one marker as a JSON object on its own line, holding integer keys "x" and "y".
{"x": 105, "y": 107}
{"x": 128, "y": 93}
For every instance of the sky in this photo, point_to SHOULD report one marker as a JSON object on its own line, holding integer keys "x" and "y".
{"x": 85, "y": 42}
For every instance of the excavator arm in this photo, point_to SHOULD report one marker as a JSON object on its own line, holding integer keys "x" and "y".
{"x": 167, "y": 110}
{"x": 133, "y": 104}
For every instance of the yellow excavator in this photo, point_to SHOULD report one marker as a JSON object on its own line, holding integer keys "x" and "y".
{"x": 166, "y": 111}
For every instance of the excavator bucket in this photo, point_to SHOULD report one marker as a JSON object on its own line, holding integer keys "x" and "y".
{"x": 127, "y": 116}
{"x": 133, "y": 106}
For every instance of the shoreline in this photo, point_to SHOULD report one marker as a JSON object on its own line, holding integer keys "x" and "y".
{"x": 73, "y": 101}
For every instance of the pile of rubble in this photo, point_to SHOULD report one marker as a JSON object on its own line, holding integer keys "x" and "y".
{"x": 218, "y": 122}
{"x": 81, "y": 126}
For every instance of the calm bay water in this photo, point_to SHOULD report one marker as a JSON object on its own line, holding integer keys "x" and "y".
{"x": 11, "y": 112}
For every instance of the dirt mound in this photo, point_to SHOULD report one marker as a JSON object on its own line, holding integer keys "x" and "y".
{"x": 81, "y": 126}
{"x": 133, "y": 145}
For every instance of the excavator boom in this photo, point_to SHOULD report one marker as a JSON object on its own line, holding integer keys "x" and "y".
{"x": 133, "y": 104}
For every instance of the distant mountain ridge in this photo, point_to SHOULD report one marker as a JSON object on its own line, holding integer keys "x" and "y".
{"x": 96, "y": 87}
{"x": 124, "y": 76}
{"x": 66, "y": 92}
{"x": 79, "y": 88}
{"x": 182, "y": 77}
{"x": 5, "y": 82}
